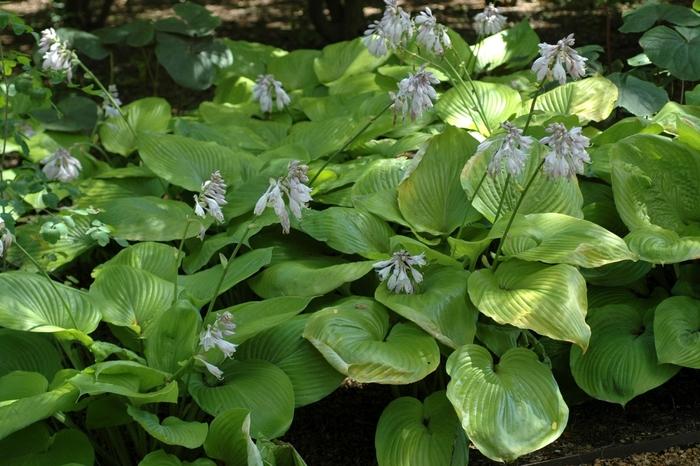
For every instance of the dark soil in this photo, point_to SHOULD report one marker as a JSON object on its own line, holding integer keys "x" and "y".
{"x": 339, "y": 430}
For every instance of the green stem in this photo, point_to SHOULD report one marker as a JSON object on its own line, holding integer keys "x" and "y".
{"x": 350, "y": 141}
{"x": 180, "y": 371}
{"x": 514, "y": 213}
{"x": 476, "y": 192}
{"x": 107, "y": 94}
{"x": 532, "y": 105}
{"x": 178, "y": 259}
{"x": 53, "y": 284}
{"x": 501, "y": 201}
{"x": 477, "y": 99}
{"x": 223, "y": 275}
{"x": 6, "y": 121}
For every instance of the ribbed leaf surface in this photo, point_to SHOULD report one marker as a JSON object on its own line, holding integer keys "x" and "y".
{"x": 677, "y": 331}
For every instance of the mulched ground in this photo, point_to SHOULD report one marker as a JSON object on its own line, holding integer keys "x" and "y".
{"x": 339, "y": 430}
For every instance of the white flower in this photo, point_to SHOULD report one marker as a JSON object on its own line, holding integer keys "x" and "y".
{"x": 61, "y": 166}
{"x": 109, "y": 109}
{"x": 416, "y": 94}
{"x": 213, "y": 370}
{"x": 489, "y": 21}
{"x": 401, "y": 271}
{"x": 212, "y": 197}
{"x": 214, "y": 335}
{"x": 267, "y": 89}
{"x": 55, "y": 54}
{"x": 296, "y": 190}
{"x": 6, "y": 238}
{"x": 512, "y": 152}
{"x": 567, "y": 151}
{"x": 273, "y": 198}
{"x": 393, "y": 30}
{"x": 431, "y": 35}
{"x": 557, "y": 60}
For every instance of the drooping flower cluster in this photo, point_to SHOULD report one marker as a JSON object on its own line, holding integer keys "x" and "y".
{"x": 557, "y": 60}
{"x": 294, "y": 187}
{"x": 211, "y": 198}
{"x": 54, "y": 53}
{"x": 415, "y": 95}
{"x": 6, "y": 238}
{"x": 400, "y": 272}
{"x": 108, "y": 106}
{"x": 268, "y": 90}
{"x": 489, "y": 21}
{"x": 396, "y": 29}
{"x": 214, "y": 336}
{"x": 393, "y": 30}
{"x": 61, "y": 166}
{"x": 512, "y": 152}
{"x": 432, "y": 35}
{"x": 567, "y": 152}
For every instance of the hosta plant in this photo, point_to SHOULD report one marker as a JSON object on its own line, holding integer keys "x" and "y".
{"x": 468, "y": 223}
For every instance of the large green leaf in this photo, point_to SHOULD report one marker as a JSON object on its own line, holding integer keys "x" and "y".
{"x": 173, "y": 336}
{"x": 172, "y": 431}
{"x": 26, "y": 351}
{"x": 431, "y": 198}
{"x": 621, "y": 361}
{"x": 254, "y": 317}
{"x": 258, "y": 386}
{"x": 549, "y": 299}
{"x": 349, "y": 231}
{"x": 345, "y": 59}
{"x": 151, "y": 114}
{"x": 356, "y": 339}
{"x": 131, "y": 297}
{"x": 591, "y": 99}
{"x": 676, "y": 325}
{"x": 157, "y": 258}
{"x": 22, "y": 384}
{"x": 139, "y": 383}
{"x": 192, "y": 62}
{"x": 309, "y": 277}
{"x": 296, "y": 69}
{"x": 639, "y": 97}
{"x": 656, "y": 193}
{"x": 480, "y": 106}
{"x": 188, "y": 162}
{"x": 23, "y": 412}
{"x": 202, "y": 285}
{"x": 147, "y": 218}
{"x": 284, "y": 346}
{"x": 440, "y": 307}
{"x": 674, "y": 49}
{"x": 376, "y": 190}
{"x": 411, "y": 433}
{"x": 31, "y": 303}
{"x": 229, "y": 439}
{"x": 561, "y": 239}
{"x": 507, "y": 409}
{"x": 279, "y": 454}
{"x": 545, "y": 195}
{"x": 66, "y": 447}
{"x": 512, "y": 48}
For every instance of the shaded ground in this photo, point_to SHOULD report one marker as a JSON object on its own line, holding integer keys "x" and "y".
{"x": 339, "y": 430}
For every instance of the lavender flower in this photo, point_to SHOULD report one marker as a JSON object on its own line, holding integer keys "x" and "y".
{"x": 211, "y": 198}
{"x": 431, "y": 35}
{"x": 401, "y": 271}
{"x": 294, "y": 187}
{"x": 214, "y": 336}
{"x": 61, "y": 166}
{"x": 211, "y": 368}
{"x": 557, "y": 60}
{"x": 266, "y": 90}
{"x": 567, "y": 151}
{"x": 416, "y": 94}
{"x": 512, "y": 151}
{"x": 55, "y": 53}
{"x": 6, "y": 238}
{"x": 107, "y": 106}
{"x": 393, "y": 30}
{"x": 489, "y": 21}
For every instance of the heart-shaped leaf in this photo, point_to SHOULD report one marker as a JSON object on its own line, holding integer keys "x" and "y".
{"x": 229, "y": 439}
{"x": 151, "y": 114}
{"x": 172, "y": 431}
{"x": 507, "y": 409}
{"x": 676, "y": 326}
{"x": 551, "y": 300}
{"x": 674, "y": 49}
{"x": 356, "y": 339}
